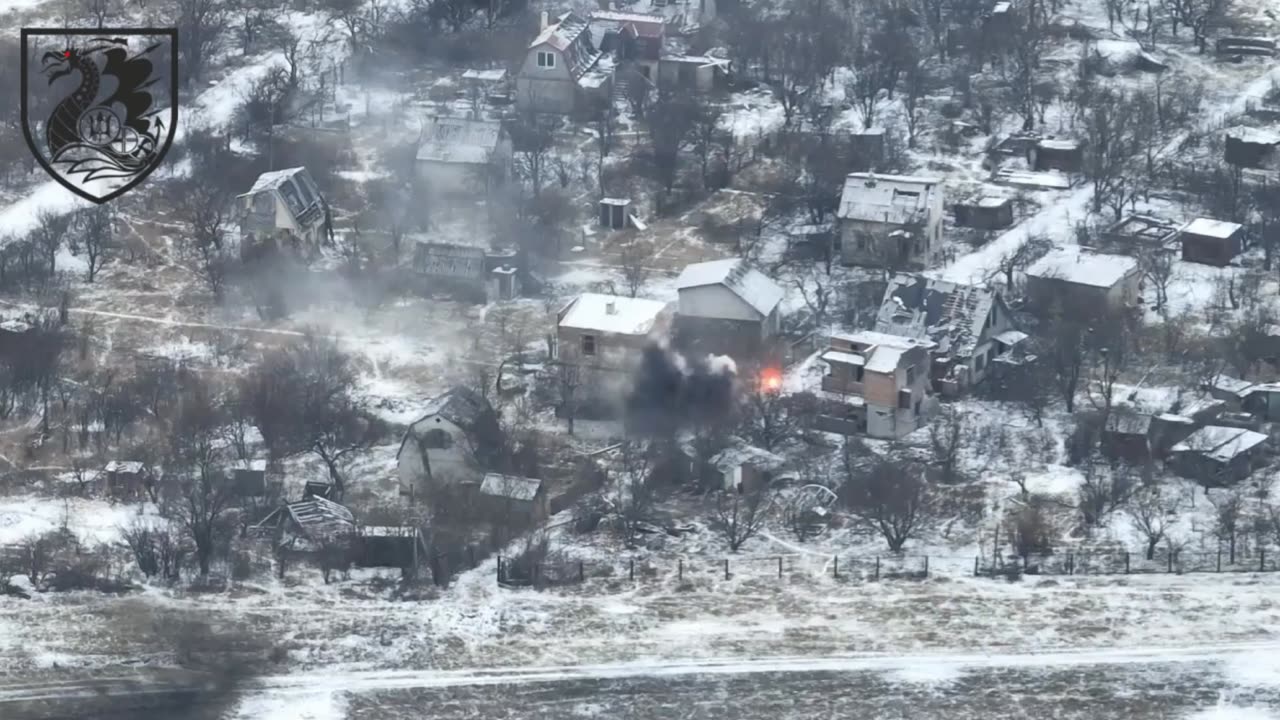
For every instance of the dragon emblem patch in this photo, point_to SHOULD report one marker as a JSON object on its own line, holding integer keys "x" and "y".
{"x": 99, "y": 107}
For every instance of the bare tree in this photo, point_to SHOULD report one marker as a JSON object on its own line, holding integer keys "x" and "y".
{"x": 632, "y": 495}
{"x": 532, "y": 141}
{"x": 671, "y": 121}
{"x": 891, "y": 497}
{"x": 1158, "y": 269}
{"x": 770, "y": 419}
{"x": 196, "y": 491}
{"x": 948, "y": 434}
{"x": 1066, "y": 338}
{"x": 633, "y": 257}
{"x": 200, "y": 24}
{"x": 1227, "y": 519}
{"x": 1152, "y": 510}
{"x": 205, "y": 209}
{"x": 1030, "y": 528}
{"x": 1104, "y": 490}
{"x": 1199, "y": 15}
{"x": 50, "y": 230}
{"x": 568, "y": 379}
{"x": 738, "y": 514}
{"x": 95, "y": 237}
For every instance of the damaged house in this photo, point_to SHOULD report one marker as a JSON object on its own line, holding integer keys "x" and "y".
{"x": 889, "y": 220}
{"x": 1218, "y": 455}
{"x": 284, "y": 203}
{"x": 561, "y": 74}
{"x": 452, "y": 444}
{"x": 969, "y": 326}
{"x": 881, "y": 382}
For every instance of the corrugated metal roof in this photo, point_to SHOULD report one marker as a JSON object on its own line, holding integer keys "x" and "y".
{"x": 753, "y": 286}
{"x": 459, "y": 140}
{"x": 895, "y": 199}
{"x": 513, "y": 487}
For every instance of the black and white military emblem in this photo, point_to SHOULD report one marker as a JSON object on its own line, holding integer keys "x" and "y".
{"x": 99, "y": 107}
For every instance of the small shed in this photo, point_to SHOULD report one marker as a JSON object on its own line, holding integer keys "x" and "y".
{"x": 1217, "y": 455}
{"x": 125, "y": 479}
{"x": 1127, "y": 436}
{"x": 505, "y": 283}
{"x": 1167, "y": 430}
{"x": 746, "y": 469}
{"x": 249, "y": 478}
{"x": 1239, "y": 46}
{"x": 614, "y": 212}
{"x": 1250, "y": 147}
{"x": 1211, "y": 242}
{"x": 514, "y": 498}
{"x": 985, "y": 213}
{"x": 1232, "y": 391}
{"x": 389, "y": 546}
{"x": 1264, "y": 401}
{"x": 1054, "y": 154}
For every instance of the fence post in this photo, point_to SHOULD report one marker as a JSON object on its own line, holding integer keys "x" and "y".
{"x": 1170, "y": 561}
{"x": 1024, "y": 564}
{"x": 631, "y": 570}
{"x": 779, "y": 567}
{"x": 537, "y": 572}
{"x": 1126, "y": 562}
{"x": 926, "y": 566}
{"x": 1071, "y": 563}
{"x": 499, "y": 569}
{"x": 1219, "y": 559}
{"x": 471, "y": 554}
{"x": 835, "y": 566}
{"x": 1262, "y": 559}
{"x": 680, "y": 569}
{"x": 582, "y": 574}
{"x": 877, "y": 575}
{"x": 726, "y": 568}
{"x": 975, "y": 566}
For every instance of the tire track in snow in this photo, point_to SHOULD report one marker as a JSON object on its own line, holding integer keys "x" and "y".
{"x": 305, "y": 683}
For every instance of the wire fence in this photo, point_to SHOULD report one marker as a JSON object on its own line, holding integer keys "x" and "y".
{"x": 519, "y": 572}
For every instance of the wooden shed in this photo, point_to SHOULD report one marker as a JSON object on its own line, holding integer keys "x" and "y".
{"x": 1250, "y": 147}
{"x": 1211, "y": 242}
{"x": 125, "y": 479}
{"x": 984, "y": 213}
{"x": 1054, "y": 154}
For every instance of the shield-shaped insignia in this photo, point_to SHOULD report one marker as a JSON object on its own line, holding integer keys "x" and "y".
{"x": 99, "y": 107}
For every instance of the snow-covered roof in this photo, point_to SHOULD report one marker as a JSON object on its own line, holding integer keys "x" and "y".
{"x": 512, "y": 487}
{"x": 897, "y": 199}
{"x": 459, "y": 140}
{"x": 1176, "y": 419}
{"x": 1206, "y": 227}
{"x": 449, "y": 260}
{"x": 259, "y": 465}
{"x": 1231, "y": 386}
{"x": 882, "y": 351}
{"x": 1220, "y": 443}
{"x": 951, "y": 314}
{"x": 1144, "y": 227}
{"x": 754, "y": 287}
{"x": 127, "y": 467}
{"x": 843, "y": 357}
{"x": 298, "y": 190}
{"x": 460, "y": 405}
{"x": 1254, "y": 136}
{"x": 569, "y": 35}
{"x": 737, "y": 456}
{"x": 1041, "y": 180}
{"x": 1063, "y": 145}
{"x": 1011, "y": 337}
{"x": 612, "y": 314}
{"x": 1074, "y": 264}
{"x": 495, "y": 75}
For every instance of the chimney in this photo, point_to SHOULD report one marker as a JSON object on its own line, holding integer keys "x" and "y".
{"x": 611, "y": 308}
{"x": 546, "y": 20}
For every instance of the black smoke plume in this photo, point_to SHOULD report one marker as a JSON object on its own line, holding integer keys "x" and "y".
{"x": 671, "y": 391}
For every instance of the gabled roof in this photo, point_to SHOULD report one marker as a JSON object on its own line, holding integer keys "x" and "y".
{"x": 316, "y": 518}
{"x": 753, "y": 286}
{"x": 1220, "y": 443}
{"x": 612, "y": 314}
{"x": 460, "y": 405}
{"x": 449, "y": 260}
{"x": 296, "y": 188}
{"x": 1207, "y": 227}
{"x": 569, "y": 36}
{"x": 459, "y": 140}
{"x": 896, "y": 199}
{"x": 512, "y": 487}
{"x": 951, "y": 314}
{"x": 741, "y": 454}
{"x": 1076, "y": 265}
